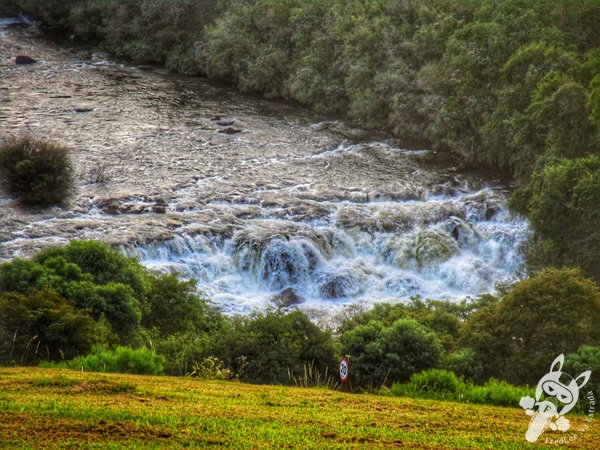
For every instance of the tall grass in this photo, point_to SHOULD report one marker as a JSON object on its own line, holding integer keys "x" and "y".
{"x": 445, "y": 385}
{"x": 119, "y": 360}
{"x": 313, "y": 377}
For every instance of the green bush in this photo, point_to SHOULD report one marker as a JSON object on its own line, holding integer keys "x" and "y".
{"x": 41, "y": 324}
{"x": 445, "y": 385}
{"x": 498, "y": 393}
{"x": 173, "y": 306}
{"x": 91, "y": 276}
{"x": 267, "y": 347}
{"x": 37, "y": 172}
{"x": 562, "y": 204}
{"x": 553, "y": 312}
{"x": 380, "y": 354}
{"x": 465, "y": 363}
{"x": 445, "y": 318}
{"x": 433, "y": 381}
{"x": 139, "y": 361}
{"x": 102, "y": 263}
{"x": 585, "y": 358}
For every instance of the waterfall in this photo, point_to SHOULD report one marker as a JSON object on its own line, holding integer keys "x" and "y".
{"x": 441, "y": 247}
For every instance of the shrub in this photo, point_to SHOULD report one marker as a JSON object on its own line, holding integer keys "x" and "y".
{"x": 553, "y": 312}
{"x": 35, "y": 171}
{"x": 562, "y": 204}
{"x": 210, "y": 368}
{"x": 102, "y": 263}
{"x": 266, "y": 347}
{"x": 434, "y": 381}
{"x": 381, "y": 354}
{"x": 139, "y": 361}
{"x": 585, "y": 358}
{"x": 445, "y": 385}
{"x": 498, "y": 393}
{"x": 91, "y": 276}
{"x": 174, "y": 307}
{"x": 465, "y": 363}
{"x": 181, "y": 350}
{"x": 41, "y": 324}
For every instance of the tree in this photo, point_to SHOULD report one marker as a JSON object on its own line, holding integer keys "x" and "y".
{"x": 585, "y": 358}
{"x": 554, "y": 312}
{"x": 381, "y": 354}
{"x": 174, "y": 307}
{"x": 562, "y": 203}
{"x": 268, "y": 347}
{"x": 39, "y": 325}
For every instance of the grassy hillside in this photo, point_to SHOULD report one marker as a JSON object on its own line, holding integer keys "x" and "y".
{"x": 43, "y": 407}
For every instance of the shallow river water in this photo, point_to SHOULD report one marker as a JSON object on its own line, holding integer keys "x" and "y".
{"x": 287, "y": 200}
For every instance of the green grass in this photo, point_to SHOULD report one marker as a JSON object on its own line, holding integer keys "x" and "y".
{"x": 42, "y": 408}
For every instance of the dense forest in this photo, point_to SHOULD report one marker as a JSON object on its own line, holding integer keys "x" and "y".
{"x": 511, "y": 86}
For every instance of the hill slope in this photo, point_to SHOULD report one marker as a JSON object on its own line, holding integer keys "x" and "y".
{"x": 52, "y": 408}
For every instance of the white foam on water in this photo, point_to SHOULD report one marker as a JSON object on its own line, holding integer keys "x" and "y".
{"x": 446, "y": 249}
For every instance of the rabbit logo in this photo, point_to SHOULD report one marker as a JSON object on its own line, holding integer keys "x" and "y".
{"x": 556, "y": 394}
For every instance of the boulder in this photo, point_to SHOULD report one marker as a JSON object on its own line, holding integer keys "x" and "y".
{"x": 24, "y": 59}
{"x": 230, "y": 130}
{"x": 339, "y": 282}
{"x": 286, "y": 298}
{"x": 433, "y": 248}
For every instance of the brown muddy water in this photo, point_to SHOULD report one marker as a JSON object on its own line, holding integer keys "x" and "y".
{"x": 288, "y": 201}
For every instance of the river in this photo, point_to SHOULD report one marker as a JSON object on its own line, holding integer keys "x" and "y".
{"x": 249, "y": 196}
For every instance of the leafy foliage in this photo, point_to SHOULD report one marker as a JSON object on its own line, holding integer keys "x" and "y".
{"x": 41, "y": 324}
{"x": 553, "y": 312}
{"x": 383, "y": 354}
{"x": 562, "y": 201}
{"x": 445, "y": 385}
{"x": 37, "y": 172}
{"x": 119, "y": 360}
{"x": 585, "y": 358}
{"x": 266, "y": 347}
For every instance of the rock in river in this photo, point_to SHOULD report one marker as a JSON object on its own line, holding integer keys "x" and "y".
{"x": 23, "y": 59}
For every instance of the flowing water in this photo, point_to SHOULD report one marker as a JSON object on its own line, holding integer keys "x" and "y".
{"x": 250, "y": 197}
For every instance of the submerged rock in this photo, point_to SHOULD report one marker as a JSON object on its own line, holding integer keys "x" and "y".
{"x": 339, "y": 283}
{"x": 286, "y": 298}
{"x": 230, "y": 130}
{"x": 422, "y": 249}
{"x": 24, "y": 59}
{"x": 433, "y": 248}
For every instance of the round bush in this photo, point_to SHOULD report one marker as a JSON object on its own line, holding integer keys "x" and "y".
{"x": 38, "y": 172}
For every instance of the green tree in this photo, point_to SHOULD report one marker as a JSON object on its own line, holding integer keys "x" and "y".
{"x": 562, "y": 204}
{"x": 381, "y": 354}
{"x": 551, "y": 313}
{"x": 267, "y": 347}
{"x": 175, "y": 307}
{"x": 41, "y": 324}
{"x": 585, "y": 358}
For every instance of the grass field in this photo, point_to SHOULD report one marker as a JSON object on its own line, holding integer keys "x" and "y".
{"x": 42, "y": 408}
